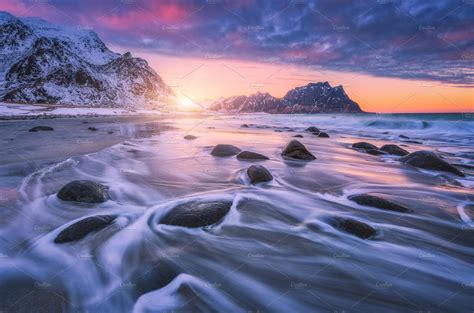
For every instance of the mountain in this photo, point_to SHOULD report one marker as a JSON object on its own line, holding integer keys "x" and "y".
{"x": 45, "y": 63}
{"x": 312, "y": 98}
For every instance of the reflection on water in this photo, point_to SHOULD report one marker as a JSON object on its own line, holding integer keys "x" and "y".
{"x": 275, "y": 251}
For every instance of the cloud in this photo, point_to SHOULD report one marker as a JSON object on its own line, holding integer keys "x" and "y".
{"x": 428, "y": 40}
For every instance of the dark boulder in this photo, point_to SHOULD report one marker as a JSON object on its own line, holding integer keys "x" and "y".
{"x": 375, "y": 152}
{"x": 429, "y": 160}
{"x": 394, "y": 149}
{"x": 84, "y": 227}
{"x": 364, "y": 146}
{"x": 378, "y": 202}
{"x": 92, "y": 129}
{"x": 258, "y": 174}
{"x": 298, "y": 136}
{"x": 354, "y": 227}
{"x": 197, "y": 213}
{"x": 223, "y": 150}
{"x": 313, "y": 130}
{"x": 84, "y": 191}
{"x": 296, "y": 150}
{"x": 248, "y": 155}
{"x": 323, "y": 135}
{"x": 404, "y": 137}
{"x": 244, "y": 126}
{"x": 189, "y": 137}
{"x": 41, "y": 128}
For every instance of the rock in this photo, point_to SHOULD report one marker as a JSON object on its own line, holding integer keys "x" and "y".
{"x": 92, "y": 129}
{"x": 404, "y": 137}
{"x": 189, "y": 137}
{"x": 378, "y": 202}
{"x": 84, "y": 191}
{"x": 429, "y": 160}
{"x": 248, "y": 155}
{"x": 364, "y": 146}
{"x": 41, "y": 128}
{"x": 298, "y": 136}
{"x": 313, "y": 130}
{"x": 354, "y": 227}
{"x": 323, "y": 135}
{"x": 197, "y": 213}
{"x": 375, "y": 152}
{"x": 296, "y": 150}
{"x": 222, "y": 150}
{"x": 84, "y": 227}
{"x": 258, "y": 174}
{"x": 244, "y": 126}
{"x": 394, "y": 149}
{"x": 413, "y": 141}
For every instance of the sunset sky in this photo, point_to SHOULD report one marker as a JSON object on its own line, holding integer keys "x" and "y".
{"x": 390, "y": 56}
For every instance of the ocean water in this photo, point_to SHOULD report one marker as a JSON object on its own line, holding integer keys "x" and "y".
{"x": 275, "y": 251}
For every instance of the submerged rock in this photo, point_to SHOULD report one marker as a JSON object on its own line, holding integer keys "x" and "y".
{"x": 222, "y": 150}
{"x": 41, "y": 128}
{"x": 323, "y": 135}
{"x": 404, "y": 137}
{"x": 84, "y": 227}
{"x": 92, "y": 129}
{"x": 197, "y": 213}
{"x": 84, "y": 191}
{"x": 394, "y": 149}
{"x": 189, "y": 137}
{"x": 378, "y": 202}
{"x": 244, "y": 126}
{"x": 296, "y": 150}
{"x": 258, "y": 174}
{"x": 429, "y": 160}
{"x": 364, "y": 146}
{"x": 248, "y": 155}
{"x": 313, "y": 130}
{"x": 354, "y": 227}
{"x": 298, "y": 136}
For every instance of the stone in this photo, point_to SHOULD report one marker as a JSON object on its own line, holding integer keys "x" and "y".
{"x": 394, "y": 149}
{"x": 197, "y": 213}
{"x": 189, "y": 137}
{"x": 364, "y": 146}
{"x": 258, "y": 174}
{"x": 84, "y": 227}
{"x": 248, "y": 155}
{"x": 313, "y": 130}
{"x": 298, "y": 136}
{"x": 378, "y": 202}
{"x": 375, "y": 152}
{"x": 323, "y": 135}
{"x": 84, "y": 191}
{"x": 92, "y": 129}
{"x": 41, "y": 128}
{"x": 354, "y": 227}
{"x": 296, "y": 150}
{"x": 223, "y": 150}
{"x": 430, "y": 160}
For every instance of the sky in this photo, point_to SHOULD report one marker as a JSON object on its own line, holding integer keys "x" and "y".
{"x": 390, "y": 56}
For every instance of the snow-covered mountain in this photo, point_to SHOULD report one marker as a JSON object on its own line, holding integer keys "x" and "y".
{"x": 312, "y": 98}
{"x": 45, "y": 63}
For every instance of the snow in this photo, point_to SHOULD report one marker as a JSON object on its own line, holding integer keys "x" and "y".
{"x": 12, "y": 110}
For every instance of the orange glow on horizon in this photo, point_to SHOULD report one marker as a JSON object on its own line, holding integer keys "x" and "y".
{"x": 213, "y": 77}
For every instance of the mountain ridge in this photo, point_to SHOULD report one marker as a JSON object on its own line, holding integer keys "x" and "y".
{"x": 313, "y": 98}
{"x": 44, "y": 63}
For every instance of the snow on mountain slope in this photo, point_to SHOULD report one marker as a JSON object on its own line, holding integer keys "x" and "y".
{"x": 45, "y": 63}
{"x": 312, "y": 98}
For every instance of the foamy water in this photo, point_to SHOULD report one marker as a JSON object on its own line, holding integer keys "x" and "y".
{"x": 275, "y": 251}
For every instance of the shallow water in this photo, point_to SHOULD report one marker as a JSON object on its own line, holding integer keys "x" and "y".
{"x": 275, "y": 251}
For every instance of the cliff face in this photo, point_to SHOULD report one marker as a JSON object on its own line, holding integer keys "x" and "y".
{"x": 312, "y": 98}
{"x": 45, "y": 63}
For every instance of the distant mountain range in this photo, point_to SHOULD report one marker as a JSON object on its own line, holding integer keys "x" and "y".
{"x": 312, "y": 98}
{"x": 45, "y": 63}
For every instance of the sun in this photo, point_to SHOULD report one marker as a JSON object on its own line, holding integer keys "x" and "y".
{"x": 188, "y": 104}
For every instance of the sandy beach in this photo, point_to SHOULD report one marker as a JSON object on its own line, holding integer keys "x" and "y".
{"x": 291, "y": 240}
